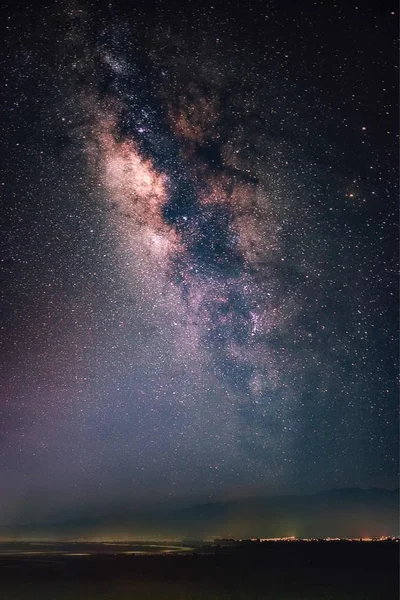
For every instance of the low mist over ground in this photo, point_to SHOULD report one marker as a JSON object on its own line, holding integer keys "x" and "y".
{"x": 336, "y": 513}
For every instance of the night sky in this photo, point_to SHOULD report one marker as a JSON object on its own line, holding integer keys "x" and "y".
{"x": 199, "y": 252}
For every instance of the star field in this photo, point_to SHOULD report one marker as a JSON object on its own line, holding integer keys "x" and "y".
{"x": 199, "y": 252}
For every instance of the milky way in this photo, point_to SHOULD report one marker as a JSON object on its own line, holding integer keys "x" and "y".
{"x": 202, "y": 235}
{"x": 212, "y": 269}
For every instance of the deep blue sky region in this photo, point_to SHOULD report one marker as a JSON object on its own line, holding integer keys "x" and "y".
{"x": 199, "y": 252}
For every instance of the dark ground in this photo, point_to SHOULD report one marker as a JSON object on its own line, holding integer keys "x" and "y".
{"x": 299, "y": 571}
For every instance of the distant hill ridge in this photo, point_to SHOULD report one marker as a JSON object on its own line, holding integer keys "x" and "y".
{"x": 349, "y": 512}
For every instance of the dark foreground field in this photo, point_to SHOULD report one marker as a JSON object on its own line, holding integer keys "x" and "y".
{"x": 299, "y": 571}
